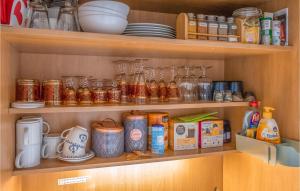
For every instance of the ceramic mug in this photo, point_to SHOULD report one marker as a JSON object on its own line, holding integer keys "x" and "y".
{"x": 74, "y": 143}
{"x": 50, "y": 143}
{"x": 78, "y": 135}
{"x": 28, "y": 156}
{"x": 45, "y": 127}
{"x": 28, "y": 133}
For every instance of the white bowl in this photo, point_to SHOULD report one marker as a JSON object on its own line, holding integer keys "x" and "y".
{"x": 119, "y": 7}
{"x": 107, "y": 12}
{"x": 103, "y": 24}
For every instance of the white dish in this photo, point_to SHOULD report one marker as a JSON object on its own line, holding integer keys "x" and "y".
{"x": 151, "y": 35}
{"x": 87, "y": 156}
{"x": 98, "y": 13}
{"x": 89, "y": 9}
{"x": 27, "y": 105}
{"x": 150, "y": 29}
{"x": 113, "y": 5}
{"x": 149, "y": 24}
{"x": 103, "y": 24}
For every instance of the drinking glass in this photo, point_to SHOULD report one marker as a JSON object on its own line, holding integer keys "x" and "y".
{"x": 67, "y": 18}
{"x": 162, "y": 87}
{"x": 194, "y": 80}
{"x": 204, "y": 85}
{"x": 153, "y": 86}
{"x": 140, "y": 86}
{"x": 38, "y": 15}
{"x": 186, "y": 86}
{"x": 173, "y": 91}
{"x": 69, "y": 95}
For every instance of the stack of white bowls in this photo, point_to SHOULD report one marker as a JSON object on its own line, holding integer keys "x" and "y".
{"x": 103, "y": 16}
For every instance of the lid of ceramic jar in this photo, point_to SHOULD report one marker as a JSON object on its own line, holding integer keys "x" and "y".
{"x": 107, "y": 127}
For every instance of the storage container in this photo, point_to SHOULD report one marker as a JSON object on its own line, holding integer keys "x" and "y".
{"x": 107, "y": 139}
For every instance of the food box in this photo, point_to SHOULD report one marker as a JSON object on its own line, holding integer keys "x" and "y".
{"x": 183, "y": 136}
{"x": 211, "y": 133}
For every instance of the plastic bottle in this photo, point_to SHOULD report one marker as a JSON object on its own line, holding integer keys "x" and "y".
{"x": 251, "y": 120}
{"x": 268, "y": 129}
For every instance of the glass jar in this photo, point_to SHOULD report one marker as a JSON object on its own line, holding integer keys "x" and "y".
{"x": 222, "y": 28}
{"x": 212, "y": 27}
{"x": 27, "y": 90}
{"x": 232, "y": 30}
{"x": 192, "y": 26}
{"x": 84, "y": 95}
{"x": 69, "y": 92}
{"x": 99, "y": 95}
{"x": 247, "y": 20}
{"x": 52, "y": 92}
{"x": 202, "y": 26}
{"x": 114, "y": 93}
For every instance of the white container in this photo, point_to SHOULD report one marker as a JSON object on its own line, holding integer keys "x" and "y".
{"x": 93, "y": 10}
{"x": 103, "y": 24}
{"x": 260, "y": 149}
{"x": 28, "y": 156}
{"x": 112, "y": 5}
{"x": 50, "y": 143}
{"x": 28, "y": 132}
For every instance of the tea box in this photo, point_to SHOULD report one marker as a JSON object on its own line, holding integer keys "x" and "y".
{"x": 211, "y": 133}
{"x": 158, "y": 145}
{"x": 182, "y": 135}
{"x": 161, "y": 118}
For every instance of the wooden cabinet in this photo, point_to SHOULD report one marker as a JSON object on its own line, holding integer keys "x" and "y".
{"x": 271, "y": 72}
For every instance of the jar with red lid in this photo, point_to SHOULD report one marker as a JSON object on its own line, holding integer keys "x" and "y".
{"x": 52, "y": 92}
{"x": 27, "y": 90}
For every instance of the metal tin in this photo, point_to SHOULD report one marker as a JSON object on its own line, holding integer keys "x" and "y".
{"x": 161, "y": 118}
{"x": 135, "y": 132}
{"x": 158, "y": 145}
{"x": 52, "y": 92}
{"x": 276, "y": 31}
{"x": 107, "y": 139}
{"x": 27, "y": 90}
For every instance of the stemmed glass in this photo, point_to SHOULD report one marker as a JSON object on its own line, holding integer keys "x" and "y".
{"x": 67, "y": 18}
{"x": 153, "y": 86}
{"x": 140, "y": 87}
{"x": 204, "y": 85}
{"x": 186, "y": 86}
{"x": 162, "y": 87}
{"x": 38, "y": 14}
{"x": 173, "y": 91}
{"x": 122, "y": 79}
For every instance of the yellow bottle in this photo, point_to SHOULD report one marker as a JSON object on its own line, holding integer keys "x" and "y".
{"x": 268, "y": 129}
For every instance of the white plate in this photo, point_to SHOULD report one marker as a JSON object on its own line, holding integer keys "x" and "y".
{"x": 149, "y": 29}
{"x": 151, "y": 35}
{"x": 150, "y": 24}
{"x": 87, "y": 156}
{"x": 146, "y": 31}
{"x": 27, "y": 105}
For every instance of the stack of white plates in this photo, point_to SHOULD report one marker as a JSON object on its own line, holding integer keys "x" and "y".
{"x": 150, "y": 30}
{"x": 103, "y": 16}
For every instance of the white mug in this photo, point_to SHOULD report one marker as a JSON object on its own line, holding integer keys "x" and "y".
{"x": 50, "y": 143}
{"x": 29, "y": 156}
{"x": 74, "y": 143}
{"x": 45, "y": 127}
{"x": 78, "y": 135}
{"x": 28, "y": 133}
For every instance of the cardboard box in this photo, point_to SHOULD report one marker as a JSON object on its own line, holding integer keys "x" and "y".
{"x": 183, "y": 136}
{"x": 211, "y": 133}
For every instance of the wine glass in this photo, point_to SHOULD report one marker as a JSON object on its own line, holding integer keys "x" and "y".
{"x": 67, "y": 19}
{"x": 173, "y": 91}
{"x": 162, "y": 87}
{"x": 186, "y": 86}
{"x": 140, "y": 86}
{"x": 153, "y": 86}
{"x": 204, "y": 85}
{"x": 38, "y": 15}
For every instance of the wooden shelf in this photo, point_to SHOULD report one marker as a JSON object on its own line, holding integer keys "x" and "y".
{"x": 127, "y": 107}
{"x": 79, "y": 43}
{"x": 54, "y": 165}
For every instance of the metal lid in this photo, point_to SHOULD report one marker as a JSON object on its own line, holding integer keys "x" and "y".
{"x": 191, "y": 15}
{"x": 27, "y": 81}
{"x": 211, "y": 17}
{"x": 221, "y": 18}
{"x": 109, "y": 129}
{"x": 201, "y": 16}
{"x": 136, "y": 117}
{"x": 107, "y": 126}
{"x": 230, "y": 19}
{"x": 52, "y": 82}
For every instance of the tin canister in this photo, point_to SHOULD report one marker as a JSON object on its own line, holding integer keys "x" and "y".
{"x": 135, "y": 132}
{"x": 158, "y": 144}
{"x": 52, "y": 92}
{"x": 158, "y": 118}
{"x": 107, "y": 139}
{"x": 27, "y": 90}
{"x": 266, "y": 30}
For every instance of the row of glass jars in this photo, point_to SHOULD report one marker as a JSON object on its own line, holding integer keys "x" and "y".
{"x": 209, "y": 26}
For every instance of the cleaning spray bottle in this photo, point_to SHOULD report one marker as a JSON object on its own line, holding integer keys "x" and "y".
{"x": 251, "y": 120}
{"x": 268, "y": 129}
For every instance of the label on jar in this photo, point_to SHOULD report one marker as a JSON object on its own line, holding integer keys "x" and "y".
{"x": 202, "y": 24}
{"x": 234, "y": 27}
{"x": 213, "y": 25}
{"x": 223, "y": 26}
{"x": 192, "y": 23}
{"x": 135, "y": 134}
{"x": 266, "y": 24}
